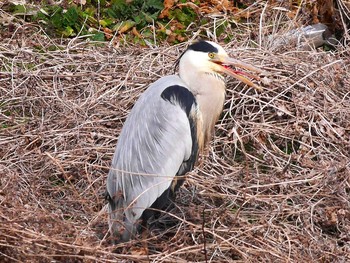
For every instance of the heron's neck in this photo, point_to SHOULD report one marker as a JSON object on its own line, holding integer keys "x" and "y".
{"x": 209, "y": 90}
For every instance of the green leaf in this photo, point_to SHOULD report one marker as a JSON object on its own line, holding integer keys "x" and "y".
{"x": 106, "y": 22}
{"x": 221, "y": 29}
{"x": 99, "y": 36}
{"x": 111, "y": 13}
{"x": 124, "y": 26}
{"x": 138, "y": 19}
{"x": 149, "y": 18}
{"x": 155, "y": 4}
{"x": 68, "y": 31}
{"x": 56, "y": 19}
{"x": 184, "y": 15}
{"x": 71, "y": 17}
{"x": 19, "y": 9}
{"x": 90, "y": 11}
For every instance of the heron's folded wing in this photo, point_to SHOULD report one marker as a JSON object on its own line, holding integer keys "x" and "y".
{"x": 154, "y": 142}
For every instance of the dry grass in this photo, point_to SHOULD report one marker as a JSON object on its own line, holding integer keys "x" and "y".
{"x": 274, "y": 185}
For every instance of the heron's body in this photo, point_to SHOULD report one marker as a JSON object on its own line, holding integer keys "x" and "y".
{"x": 170, "y": 123}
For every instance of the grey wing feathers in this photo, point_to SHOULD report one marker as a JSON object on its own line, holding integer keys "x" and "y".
{"x": 154, "y": 142}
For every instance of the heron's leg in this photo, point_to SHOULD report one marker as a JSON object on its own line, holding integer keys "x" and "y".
{"x": 161, "y": 203}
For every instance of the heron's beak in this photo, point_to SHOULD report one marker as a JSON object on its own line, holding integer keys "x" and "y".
{"x": 224, "y": 64}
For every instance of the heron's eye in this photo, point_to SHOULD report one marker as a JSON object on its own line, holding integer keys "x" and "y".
{"x": 211, "y": 55}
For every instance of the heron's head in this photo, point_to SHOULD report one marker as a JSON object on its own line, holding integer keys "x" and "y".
{"x": 209, "y": 57}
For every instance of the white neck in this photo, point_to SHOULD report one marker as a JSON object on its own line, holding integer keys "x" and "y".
{"x": 209, "y": 90}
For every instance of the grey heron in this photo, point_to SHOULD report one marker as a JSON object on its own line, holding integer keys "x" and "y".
{"x": 168, "y": 126}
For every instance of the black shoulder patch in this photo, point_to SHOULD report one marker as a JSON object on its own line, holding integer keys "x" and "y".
{"x": 181, "y": 95}
{"x": 203, "y": 46}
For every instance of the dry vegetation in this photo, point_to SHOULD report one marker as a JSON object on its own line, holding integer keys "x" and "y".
{"x": 274, "y": 185}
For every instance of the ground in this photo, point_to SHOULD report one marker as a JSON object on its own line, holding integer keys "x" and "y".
{"x": 272, "y": 186}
